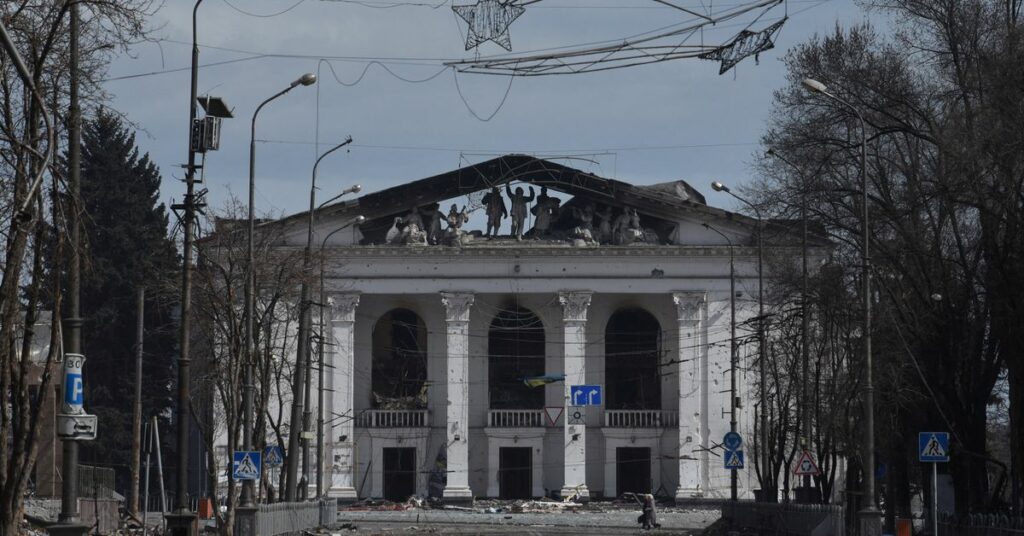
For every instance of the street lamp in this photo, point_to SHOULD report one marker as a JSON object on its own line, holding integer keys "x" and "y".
{"x": 300, "y": 402}
{"x": 733, "y": 361}
{"x": 320, "y": 380}
{"x": 250, "y": 287}
{"x": 870, "y": 516}
{"x": 763, "y": 373}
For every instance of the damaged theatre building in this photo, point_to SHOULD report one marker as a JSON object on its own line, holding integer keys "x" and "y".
{"x": 452, "y": 353}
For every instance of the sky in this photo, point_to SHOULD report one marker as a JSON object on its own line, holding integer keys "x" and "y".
{"x": 410, "y": 117}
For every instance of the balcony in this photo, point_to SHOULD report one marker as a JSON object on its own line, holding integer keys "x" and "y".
{"x": 393, "y": 418}
{"x": 640, "y": 418}
{"x": 515, "y": 418}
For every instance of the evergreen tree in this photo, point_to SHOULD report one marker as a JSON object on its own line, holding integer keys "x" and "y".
{"x": 126, "y": 245}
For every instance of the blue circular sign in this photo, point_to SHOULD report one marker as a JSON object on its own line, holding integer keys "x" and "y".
{"x": 732, "y": 441}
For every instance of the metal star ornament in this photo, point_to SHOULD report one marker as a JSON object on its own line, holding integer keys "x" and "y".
{"x": 489, "y": 21}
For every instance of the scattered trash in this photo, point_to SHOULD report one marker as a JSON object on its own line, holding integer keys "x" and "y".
{"x": 542, "y": 506}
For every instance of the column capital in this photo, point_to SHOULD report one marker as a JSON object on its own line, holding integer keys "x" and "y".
{"x": 575, "y": 304}
{"x": 689, "y": 304}
{"x": 343, "y": 306}
{"x": 456, "y": 305}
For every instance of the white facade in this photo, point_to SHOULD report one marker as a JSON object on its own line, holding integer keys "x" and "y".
{"x": 573, "y": 289}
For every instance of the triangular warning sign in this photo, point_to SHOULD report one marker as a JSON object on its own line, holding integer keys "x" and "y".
{"x": 246, "y": 468}
{"x": 933, "y": 449}
{"x": 805, "y": 466}
{"x": 553, "y": 413}
{"x": 734, "y": 459}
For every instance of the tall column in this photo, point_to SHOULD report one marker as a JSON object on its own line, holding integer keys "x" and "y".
{"x": 456, "y": 306}
{"x": 574, "y": 322}
{"x": 338, "y": 467}
{"x": 692, "y": 393}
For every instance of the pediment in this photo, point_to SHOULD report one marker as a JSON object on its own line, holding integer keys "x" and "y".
{"x": 579, "y": 208}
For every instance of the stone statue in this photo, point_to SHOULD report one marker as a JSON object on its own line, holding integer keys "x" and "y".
{"x": 544, "y": 211}
{"x": 604, "y": 229}
{"x": 394, "y": 233}
{"x": 434, "y": 233}
{"x": 456, "y": 220}
{"x": 584, "y": 229}
{"x": 627, "y": 228}
{"x": 495, "y": 209}
{"x": 519, "y": 202}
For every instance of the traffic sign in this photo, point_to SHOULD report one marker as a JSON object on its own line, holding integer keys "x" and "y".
{"x": 805, "y": 466}
{"x": 732, "y": 441}
{"x": 733, "y": 459}
{"x": 933, "y": 447}
{"x": 245, "y": 465}
{"x": 77, "y": 427}
{"x": 74, "y": 392}
{"x": 585, "y": 395}
{"x": 553, "y": 413}
{"x": 273, "y": 456}
{"x": 577, "y": 415}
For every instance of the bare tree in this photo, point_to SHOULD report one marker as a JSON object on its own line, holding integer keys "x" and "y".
{"x": 33, "y": 99}
{"x": 219, "y": 308}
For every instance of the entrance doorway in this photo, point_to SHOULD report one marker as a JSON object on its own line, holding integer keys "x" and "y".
{"x": 515, "y": 473}
{"x": 399, "y": 473}
{"x": 632, "y": 470}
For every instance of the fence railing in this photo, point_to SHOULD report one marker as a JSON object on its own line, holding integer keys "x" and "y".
{"x": 785, "y": 519}
{"x": 980, "y": 525}
{"x": 295, "y": 517}
{"x": 392, "y": 418}
{"x": 516, "y": 418}
{"x": 640, "y": 418}
{"x": 95, "y": 482}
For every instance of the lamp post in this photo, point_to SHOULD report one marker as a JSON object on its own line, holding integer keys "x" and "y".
{"x": 320, "y": 379}
{"x": 870, "y": 516}
{"x": 300, "y": 392}
{"x": 805, "y": 421}
{"x": 733, "y": 361}
{"x": 719, "y": 187}
{"x": 250, "y": 289}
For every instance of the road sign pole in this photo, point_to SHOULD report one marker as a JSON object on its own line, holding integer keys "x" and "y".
{"x": 935, "y": 498}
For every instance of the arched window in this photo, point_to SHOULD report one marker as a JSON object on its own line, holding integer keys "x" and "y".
{"x": 515, "y": 348}
{"x": 399, "y": 361}
{"x": 631, "y": 349}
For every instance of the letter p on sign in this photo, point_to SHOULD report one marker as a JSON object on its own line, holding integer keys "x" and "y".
{"x": 73, "y": 390}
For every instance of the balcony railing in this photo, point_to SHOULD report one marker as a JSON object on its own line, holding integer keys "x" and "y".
{"x": 516, "y": 418}
{"x": 640, "y": 418}
{"x": 392, "y": 418}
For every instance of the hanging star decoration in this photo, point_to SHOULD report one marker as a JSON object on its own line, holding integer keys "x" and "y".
{"x": 489, "y": 21}
{"x": 746, "y": 44}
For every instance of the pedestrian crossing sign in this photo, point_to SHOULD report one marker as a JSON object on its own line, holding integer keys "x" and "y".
{"x": 933, "y": 447}
{"x": 733, "y": 459}
{"x": 273, "y": 456}
{"x": 245, "y": 465}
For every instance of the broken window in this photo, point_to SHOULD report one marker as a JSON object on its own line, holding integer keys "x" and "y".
{"x": 399, "y": 361}
{"x": 632, "y": 347}
{"x": 515, "y": 348}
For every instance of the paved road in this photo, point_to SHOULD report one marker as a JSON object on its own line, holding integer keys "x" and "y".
{"x": 688, "y": 523}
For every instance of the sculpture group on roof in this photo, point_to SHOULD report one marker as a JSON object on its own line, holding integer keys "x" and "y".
{"x": 581, "y": 223}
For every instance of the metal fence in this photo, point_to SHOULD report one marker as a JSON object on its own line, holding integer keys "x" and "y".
{"x": 980, "y": 525}
{"x": 293, "y": 517}
{"x": 785, "y": 519}
{"x": 95, "y": 482}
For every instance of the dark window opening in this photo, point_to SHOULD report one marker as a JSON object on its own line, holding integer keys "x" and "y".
{"x": 399, "y": 361}
{"x": 515, "y": 348}
{"x": 632, "y": 350}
